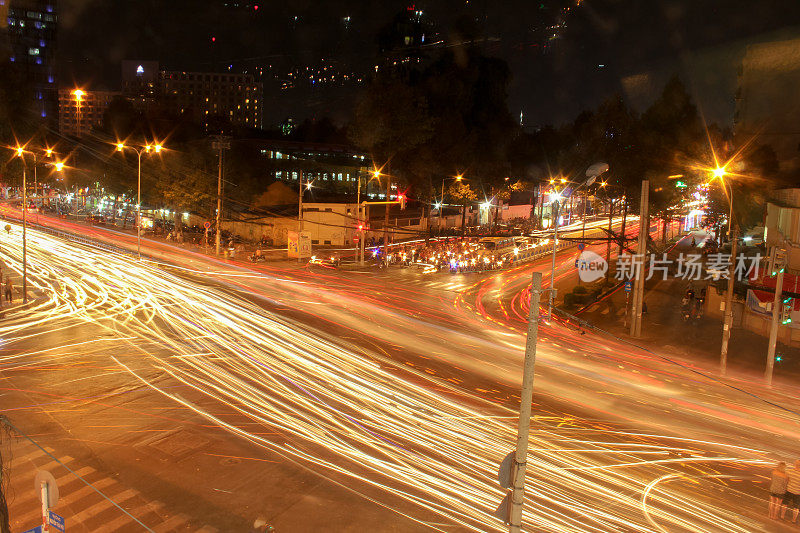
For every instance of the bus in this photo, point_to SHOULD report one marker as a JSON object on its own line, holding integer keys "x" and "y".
{"x": 496, "y": 246}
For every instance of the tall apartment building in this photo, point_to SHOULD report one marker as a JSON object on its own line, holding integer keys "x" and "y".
{"x": 81, "y": 110}
{"x": 140, "y": 82}
{"x": 201, "y": 95}
{"x": 31, "y": 29}
{"x": 238, "y": 97}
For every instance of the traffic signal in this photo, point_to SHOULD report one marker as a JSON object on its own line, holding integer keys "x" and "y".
{"x": 786, "y": 311}
{"x": 402, "y": 199}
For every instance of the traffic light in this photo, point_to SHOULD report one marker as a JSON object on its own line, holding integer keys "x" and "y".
{"x": 786, "y": 310}
{"x": 402, "y": 199}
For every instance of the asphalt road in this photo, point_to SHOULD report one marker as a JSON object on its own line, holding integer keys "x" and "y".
{"x": 334, "y": 401}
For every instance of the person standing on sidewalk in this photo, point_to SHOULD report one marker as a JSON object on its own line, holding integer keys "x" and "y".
{"x": 792, "y": 499}
{"x": 9, "y": 290}
{"x": 777, "y": 490}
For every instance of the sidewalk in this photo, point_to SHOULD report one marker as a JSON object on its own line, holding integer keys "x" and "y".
{"x": 699, "y": 340}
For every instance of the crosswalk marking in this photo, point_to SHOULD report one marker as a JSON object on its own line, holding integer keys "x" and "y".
{"x": 102, "y": 505}
{"x": 37, "y": 452}
{"x": 123, "y": 520}
{"x": 172, "y": 523}
{"x": 31, "y": 501}
{"x": 80, "y": 504}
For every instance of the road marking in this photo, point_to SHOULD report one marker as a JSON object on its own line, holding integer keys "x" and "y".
{"x": 171, "y": 523}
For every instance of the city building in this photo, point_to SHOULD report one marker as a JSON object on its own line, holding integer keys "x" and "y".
{"x": 404, "y": 42}
{"x": 140, "y": 82}
{"x": 767, "y": 106}
{"x": 31, "y": 28}
{"x": 201, "y": 95}
{"x": 330, "y": 167}
{"x": 204, "y": 95}
{"x": 79, "y": 111}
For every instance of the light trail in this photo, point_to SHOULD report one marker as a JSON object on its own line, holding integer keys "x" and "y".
{"x": 355, "y": 417}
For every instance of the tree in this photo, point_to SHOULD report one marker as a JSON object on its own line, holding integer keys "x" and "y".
{"x": 463, "y": 194}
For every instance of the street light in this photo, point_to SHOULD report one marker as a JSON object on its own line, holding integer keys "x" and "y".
{"x": 440, "y": 205}
{"x": 78, "y": 94}
{"x": 592, "y": 173}
{"x": 20, "y": 151}
{"x": 720, "y": 173}
{"x": 146, "y": 149}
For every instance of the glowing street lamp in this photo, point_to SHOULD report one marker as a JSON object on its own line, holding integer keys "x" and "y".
{"x": 156, "y": 147}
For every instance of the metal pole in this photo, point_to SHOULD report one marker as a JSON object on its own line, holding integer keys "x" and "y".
{"x": 641, "y": 249}
{"x": 526, "y": 397}
{"x": 777, "y": 304}
{"x": 24, "y": 232}
{"x": 219, "y": 203}
{"x": 35, "y": 183}
{"x": 45, "y": 507}
{"x": 726, "y": 325}
{"x": 610, "y": 229}
{"x": 730, "y": 213}
{"x": 361, "y": 217}
{"x": 138, "y": 205}
{"x": 552, "y": 295}
{"x": 441, "y": 208}
{"x": 386, "y": 222}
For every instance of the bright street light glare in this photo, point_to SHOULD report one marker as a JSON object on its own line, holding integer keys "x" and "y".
{"x": 59, "y": 166}
{"x": 158, "y": 148}
{"x": 78, "y": 94}
{"x": 120, "y": 147}
{"x": 719, "y": 172}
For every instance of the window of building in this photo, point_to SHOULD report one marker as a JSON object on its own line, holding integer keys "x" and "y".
{"x": 33, "y": 51}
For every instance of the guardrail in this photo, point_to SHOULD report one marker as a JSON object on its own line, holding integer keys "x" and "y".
{"x": 72, "y": 237}
{"x": 537, "y": 252}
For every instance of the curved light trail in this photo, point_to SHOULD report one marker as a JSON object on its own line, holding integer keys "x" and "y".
{"x": 359, "y": 416}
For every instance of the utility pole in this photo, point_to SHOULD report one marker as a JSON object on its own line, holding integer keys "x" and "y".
{"x": 622, "y": 226}
{"x": 639, "y": 262}
{"x": 728, "y": 320}
{"x": 221, "y": 143}
{"x": 554, "y": 217}
{"x": 526, "y": 397}
{"x": 386, "y": 221}
{"x": 777, "y": 305}
{"x": 610, "y": 229}
{"x": 24, "y": 233}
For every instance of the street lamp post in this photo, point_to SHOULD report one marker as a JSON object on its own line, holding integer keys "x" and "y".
{"x": 457, "y": 177}
{"x": 592, "y": 174}
{"x": 21, "y": 153}
{"x": 146, "y": 149}
{"x": 720, "y": 173}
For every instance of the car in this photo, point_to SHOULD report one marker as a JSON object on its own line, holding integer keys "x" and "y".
{"x": 96, "y": 220}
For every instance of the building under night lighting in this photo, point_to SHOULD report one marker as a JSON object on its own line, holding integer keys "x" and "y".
{"x": 31, "y": 26}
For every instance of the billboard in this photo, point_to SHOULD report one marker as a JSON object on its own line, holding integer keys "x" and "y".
{"x": 299, "y": 248}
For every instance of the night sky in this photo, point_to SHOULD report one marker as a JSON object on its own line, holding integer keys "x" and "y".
{"x": 606, "y": 47}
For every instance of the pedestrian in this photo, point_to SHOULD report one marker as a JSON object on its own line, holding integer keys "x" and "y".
{"x": 9, "y": 290}
{"x": 777, "y": 490}
{"x": 792, "y": 498}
